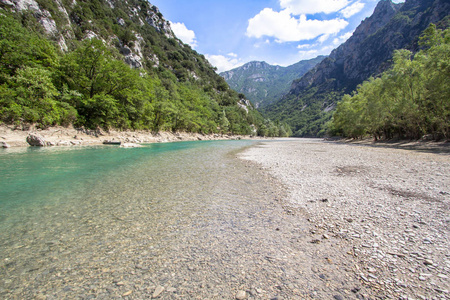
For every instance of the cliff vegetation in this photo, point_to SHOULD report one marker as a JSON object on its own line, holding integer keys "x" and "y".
{"x": 409, "y": 100}
{"x": 110, "y": 64}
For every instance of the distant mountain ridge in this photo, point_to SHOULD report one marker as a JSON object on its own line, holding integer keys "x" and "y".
{"x": 263, "y": 83}
{"x": 366, "y": 53}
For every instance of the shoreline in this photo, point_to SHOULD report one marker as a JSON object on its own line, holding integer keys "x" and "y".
{"x": 68, "y": 136}
{"x": 377, "y": 215}
{"x": 415, "y": 145}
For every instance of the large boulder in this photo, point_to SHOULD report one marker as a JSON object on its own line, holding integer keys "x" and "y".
{"x": 4, "y": 144}
{"x": 36, "y": 140}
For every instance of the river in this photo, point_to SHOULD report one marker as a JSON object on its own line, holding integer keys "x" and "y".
{"x": 184, "y": 220}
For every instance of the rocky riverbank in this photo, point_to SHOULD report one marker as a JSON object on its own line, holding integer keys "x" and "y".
{"x": 69, "y": 136}
{"x": 378, "y": 216}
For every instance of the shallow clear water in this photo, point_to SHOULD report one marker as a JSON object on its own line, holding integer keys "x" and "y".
{"x": 99, "y": 222}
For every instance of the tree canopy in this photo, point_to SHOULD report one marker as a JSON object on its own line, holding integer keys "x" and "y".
{"x": 91, "y": 86}
{"x": 410, "y": 100}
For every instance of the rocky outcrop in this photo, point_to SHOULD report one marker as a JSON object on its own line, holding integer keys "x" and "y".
{"x": 156, "y": 20}
{"x": 36, "y": 140}
{"x": 353, "y": 62}
{"x": 62, "y": 32}
{"x": 368, "y": 51}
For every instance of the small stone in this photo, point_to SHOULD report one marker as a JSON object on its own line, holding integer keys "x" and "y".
{"x": 428, "y": 262}
{"x": 350, "y": 220}
{"x": 127, "y": 293}
{"x": 442, "y": 276}
{"x": 241, "y": 295}
{"x": 315, "y": 242}
{"x": 4, "y": 144}
{"x": 159, "y": 289}
{"x": 338, "y": 297}
{"x": 325, "y": 236}
{"x": 120, "y": 283}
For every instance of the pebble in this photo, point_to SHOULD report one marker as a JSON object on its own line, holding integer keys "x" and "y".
{"x": 159, "y": 289}
{"x": 127, "y": 293}
{"x": 428, "y": 262}
{"x": 241, "y": 295}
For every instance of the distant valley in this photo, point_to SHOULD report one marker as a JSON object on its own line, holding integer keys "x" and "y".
{"x": 263, "y": 83}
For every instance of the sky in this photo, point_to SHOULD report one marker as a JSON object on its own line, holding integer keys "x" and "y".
{"x": 231, "y": 33}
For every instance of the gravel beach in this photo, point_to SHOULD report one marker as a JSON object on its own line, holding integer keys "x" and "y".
{"x": 380, "y": 215}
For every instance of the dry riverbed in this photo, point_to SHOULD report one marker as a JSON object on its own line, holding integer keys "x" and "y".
{"x": 378, "y": 217}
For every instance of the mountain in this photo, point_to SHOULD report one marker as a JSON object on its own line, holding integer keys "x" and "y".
{"x": 109, "y": 64}
{"x": 368, "y": 52}
{"x": 263, "y": 83}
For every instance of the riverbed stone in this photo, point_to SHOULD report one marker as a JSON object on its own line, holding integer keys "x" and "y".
{"x": 36, "y": 140}
{"x": 241, "y": 295}
{"x": 159, "y": 289}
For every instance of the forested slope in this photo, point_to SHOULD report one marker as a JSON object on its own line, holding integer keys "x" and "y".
{"x": 109, "y": 64}
{"x": 368, "y": 52}
{"x": 410, "y": 100}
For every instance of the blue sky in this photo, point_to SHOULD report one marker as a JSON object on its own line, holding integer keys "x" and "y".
{"x": 231, "y": 33}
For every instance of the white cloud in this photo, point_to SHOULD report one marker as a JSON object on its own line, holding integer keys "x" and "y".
{"x": 298, "y": 7}
{"x": 307, "y": 54}
{"x": 341, "y": 39}
{"x": 224, "y": 63}
{"x": 232, "y": 54}
{"x": 352, "y": 9}
{"x": 323, "y": 38}
{"x": 184, "y": 34}
{"x": 287, "y": 28}
{"x": 304, "y": 46}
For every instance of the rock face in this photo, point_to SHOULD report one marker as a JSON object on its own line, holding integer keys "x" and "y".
{"x": 36, "y": 140}
{"x": 366, "y": 53}
{"x": 361, "y": 56}
{"x": 64, "y": 29}
{"x": 263, "y": 83}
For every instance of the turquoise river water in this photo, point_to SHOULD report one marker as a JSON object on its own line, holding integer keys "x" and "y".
{"x": 183, "y": 220}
